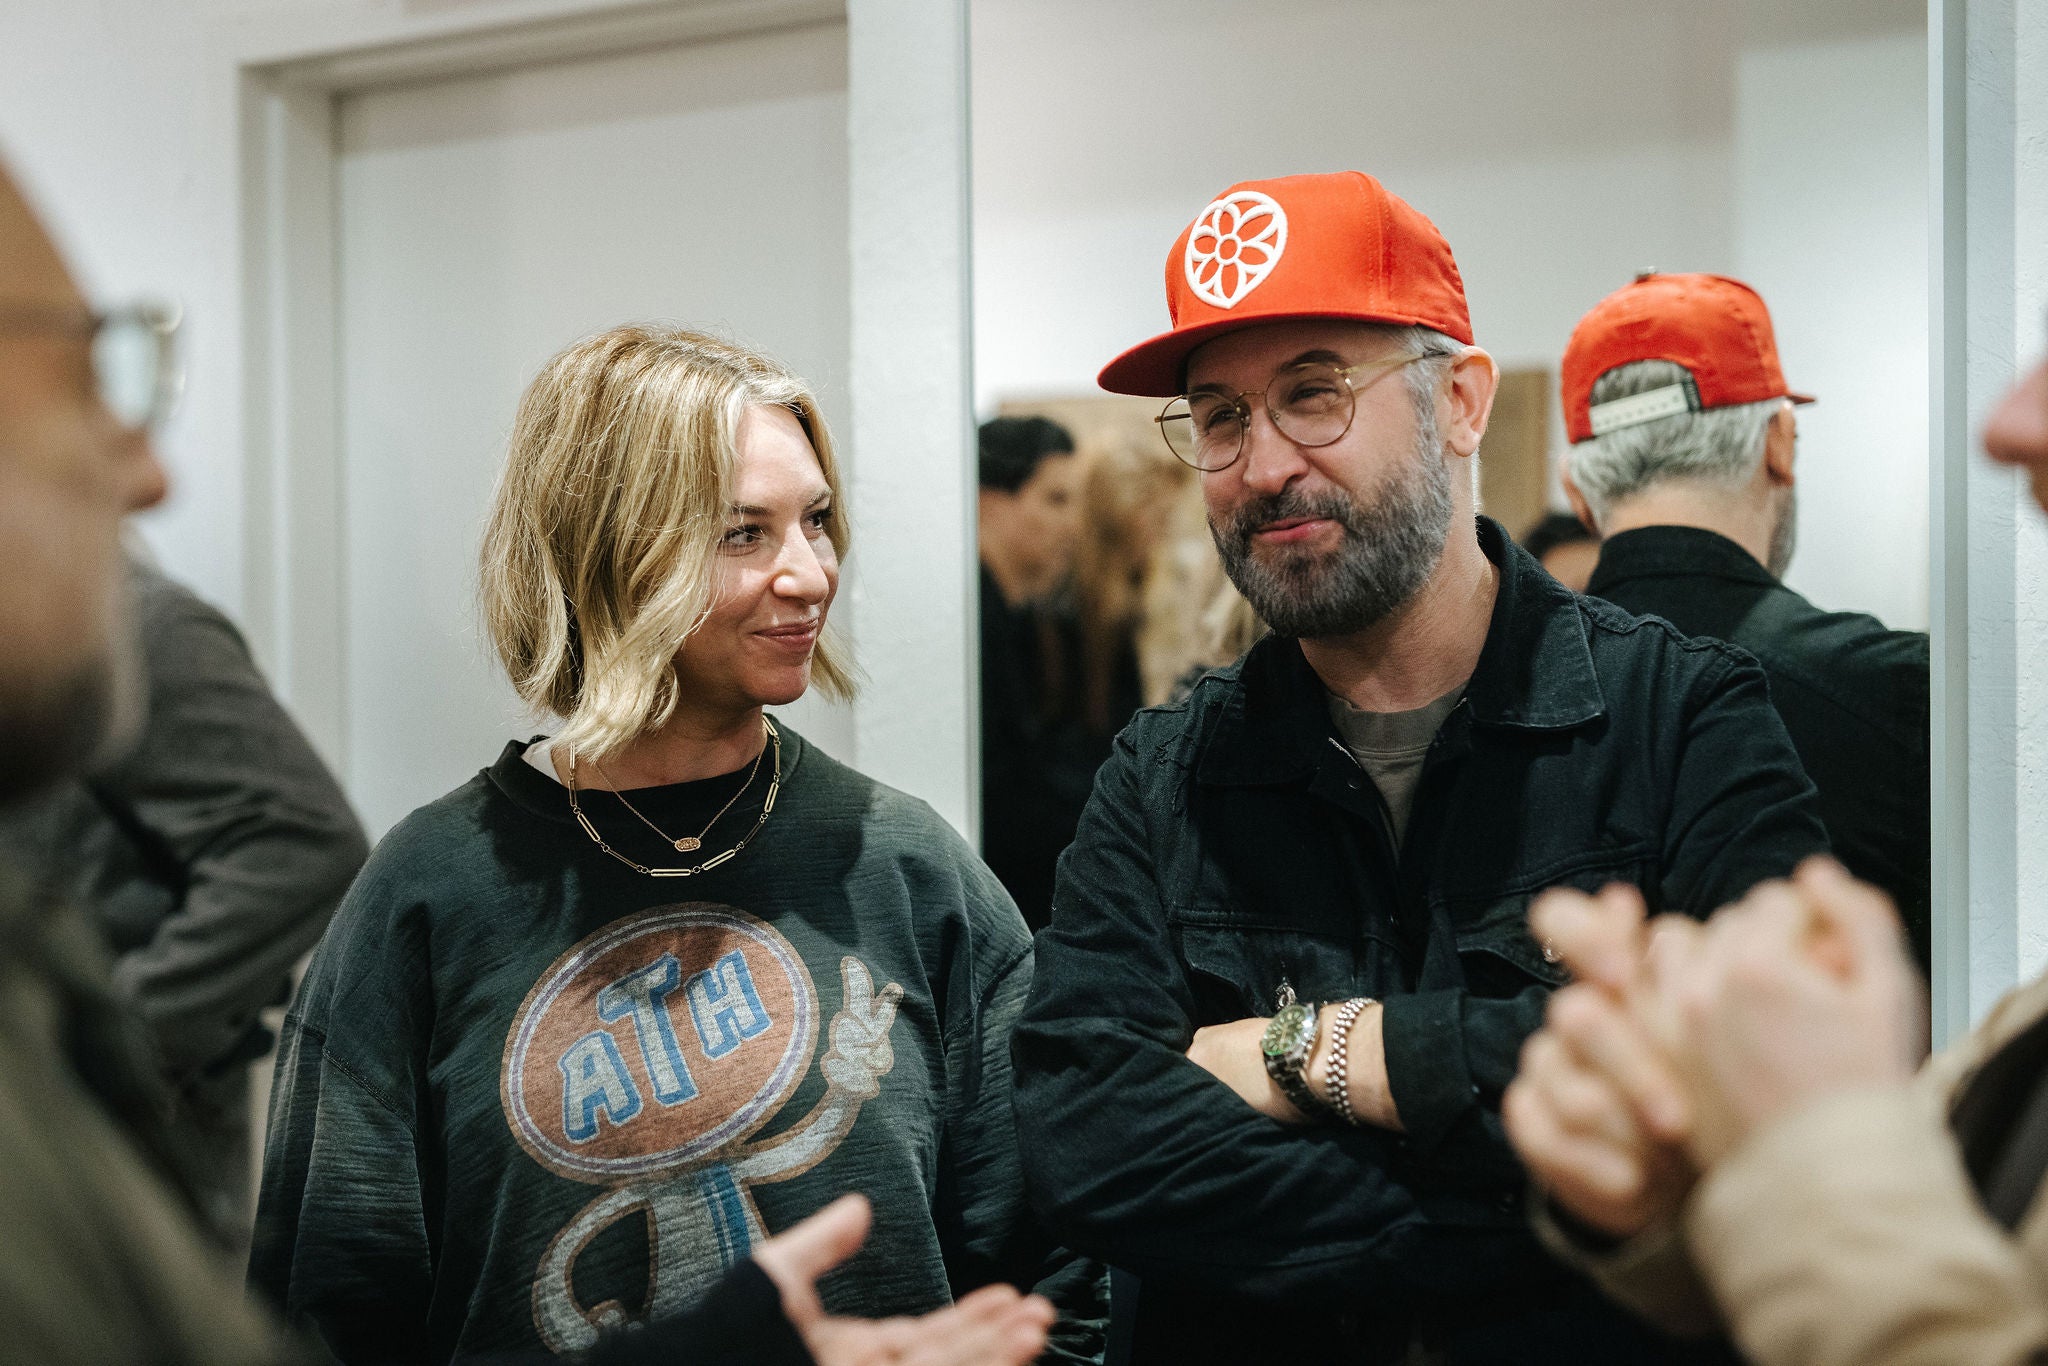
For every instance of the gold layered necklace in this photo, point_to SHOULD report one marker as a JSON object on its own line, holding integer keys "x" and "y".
{"x": 689, "y": 843}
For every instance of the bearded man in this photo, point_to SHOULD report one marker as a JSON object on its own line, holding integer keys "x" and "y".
{"x": 1288, "y": 971}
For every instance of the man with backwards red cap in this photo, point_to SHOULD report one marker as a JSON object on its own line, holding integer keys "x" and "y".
{"x": 1289, "y": 971}
{"x": 1682, "y": 431}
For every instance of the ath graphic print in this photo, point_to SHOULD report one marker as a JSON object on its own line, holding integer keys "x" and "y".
{"x": 644, "y": 1060}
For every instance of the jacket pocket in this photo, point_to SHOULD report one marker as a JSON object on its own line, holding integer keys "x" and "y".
{"x": 1236, "y": 972}
{"x": 1501, "y": 956}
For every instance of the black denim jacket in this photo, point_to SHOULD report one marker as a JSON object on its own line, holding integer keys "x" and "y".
{"x": 1853, "y": 694}
{"x": 1232, "y": 845}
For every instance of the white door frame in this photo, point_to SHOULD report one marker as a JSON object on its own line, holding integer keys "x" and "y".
{"x": 912, "y": 570}
{"x": 1982, "y": 550}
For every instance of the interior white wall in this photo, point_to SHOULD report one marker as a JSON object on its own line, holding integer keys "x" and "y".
{"x": 1830, "y": 198}
{"x": 1560, "y": 145}
{"x": 106, "y": 115}
{"x": 2028, "y": 342}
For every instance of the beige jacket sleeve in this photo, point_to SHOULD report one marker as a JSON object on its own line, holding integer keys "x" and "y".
{"x": 1651, "y": 1274}
{"x": 1849, "y": 1233}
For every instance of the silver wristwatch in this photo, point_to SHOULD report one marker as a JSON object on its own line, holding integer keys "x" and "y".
{"x": 1288, "y": 1043}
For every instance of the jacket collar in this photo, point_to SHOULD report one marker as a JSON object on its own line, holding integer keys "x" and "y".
{"x": 1664, "y": 551}
{"x": 1535, "y": 672}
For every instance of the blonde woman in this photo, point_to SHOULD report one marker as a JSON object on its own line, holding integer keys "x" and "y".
{"x": 644, "y": 992}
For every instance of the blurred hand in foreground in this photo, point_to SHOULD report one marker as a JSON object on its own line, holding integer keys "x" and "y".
{"x": 1677, "y": 1041}
{"x": 1800, "y": 990}
{"x": 994, "y": 1326}
{"x": 1597, "y": 1111}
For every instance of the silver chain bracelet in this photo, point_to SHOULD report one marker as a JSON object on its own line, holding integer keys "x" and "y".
{"x": 1339, "y": 1072}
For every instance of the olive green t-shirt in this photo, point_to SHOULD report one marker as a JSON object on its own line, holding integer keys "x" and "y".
{"x": 1391, "y": 745}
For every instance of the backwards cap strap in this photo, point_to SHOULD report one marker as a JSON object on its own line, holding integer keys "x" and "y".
{"x": 1649, "y": 406}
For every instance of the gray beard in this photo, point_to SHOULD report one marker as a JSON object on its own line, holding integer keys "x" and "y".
{"x": 57, "y": 728}
{"x": 1784, "y": 537}
{"x": 1388, "y": 551}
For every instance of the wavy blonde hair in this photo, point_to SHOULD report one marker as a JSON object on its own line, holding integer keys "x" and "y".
{"x": 600, "y": 559}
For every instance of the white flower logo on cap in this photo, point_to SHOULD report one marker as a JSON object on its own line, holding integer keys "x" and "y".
{"x": 1235, "y": 244}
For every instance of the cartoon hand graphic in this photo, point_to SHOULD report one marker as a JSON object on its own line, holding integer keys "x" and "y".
{"x": 860, "y": 1032}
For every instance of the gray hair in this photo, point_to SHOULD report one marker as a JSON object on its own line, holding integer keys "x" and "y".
{"x": 1425, "y": 378}
{"x": 1719, "y": 446}
{"x": 1435, "y": 352}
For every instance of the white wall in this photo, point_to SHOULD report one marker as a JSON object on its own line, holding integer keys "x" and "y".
{"x": 1560, "y": 145}
{"x": 106, "y": 115}
{"x": 1830, "y": 198}
{"x": 2025, "y": 341}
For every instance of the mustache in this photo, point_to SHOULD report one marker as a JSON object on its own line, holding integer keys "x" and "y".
{"x": 1236, "y": 530}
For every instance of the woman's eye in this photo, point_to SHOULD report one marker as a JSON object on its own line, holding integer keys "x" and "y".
{"x": 741, "y": 536}
{"x": 820, "y": 519}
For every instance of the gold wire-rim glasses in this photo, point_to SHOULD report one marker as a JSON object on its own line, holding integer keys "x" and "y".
{"x": 1179, "y": 409}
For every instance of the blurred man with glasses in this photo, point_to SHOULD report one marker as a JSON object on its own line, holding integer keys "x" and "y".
{"x": 1288, "y": 971}
{"x": 208, "y": 842}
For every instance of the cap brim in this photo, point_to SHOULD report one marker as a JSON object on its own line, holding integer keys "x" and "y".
{"x": 1153, "y": 368}
{"x": 1801, "y": 398}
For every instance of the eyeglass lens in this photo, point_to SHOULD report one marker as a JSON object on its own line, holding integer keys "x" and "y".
{"x": 1311, "y": 404}
{"x": 133, "y": 363}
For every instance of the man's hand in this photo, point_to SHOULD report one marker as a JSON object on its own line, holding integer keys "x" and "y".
{"x": 994, "y": 1326}
{"x": 1800, "y": 990}
{"x": 1365, "y": 1066}
{"x": 1596, "y": 1111}
{"x": 1231, "y": 1053}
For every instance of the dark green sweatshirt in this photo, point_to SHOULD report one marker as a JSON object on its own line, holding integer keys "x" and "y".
{"x": 527, "y": 1095}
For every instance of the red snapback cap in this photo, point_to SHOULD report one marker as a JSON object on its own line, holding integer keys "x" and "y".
{"x": 1307, "y": 246}
{"x": 1717, "y": 328}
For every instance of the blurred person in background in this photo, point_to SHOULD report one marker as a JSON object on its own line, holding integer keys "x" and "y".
{"x": 1732, "y": 1135}
{"x": 1684, "y": 442}
{"x": 1193, "y": 618}
{"x": 1127, "y": 496}
{"x": 103, "y": 1261}
{"x": 593, "y": 1025}
{"x": 211, "y": 852}
{"x": 1035, "y": 766}
{"x": 1565, "y": 548}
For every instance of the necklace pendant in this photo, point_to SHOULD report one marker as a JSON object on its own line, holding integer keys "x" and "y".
{"x": 688, "y": 844}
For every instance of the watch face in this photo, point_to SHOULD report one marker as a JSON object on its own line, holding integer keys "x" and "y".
{"x": 1284, "y": 1031}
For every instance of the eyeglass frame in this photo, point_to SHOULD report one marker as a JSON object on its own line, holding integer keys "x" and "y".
{"x": 1386, "y": 365}
{"x": 160, "y": 320}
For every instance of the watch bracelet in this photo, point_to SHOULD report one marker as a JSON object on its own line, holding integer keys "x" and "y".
{"x": 1290, "y": 1073}
{"x": 1339, "y": 1070}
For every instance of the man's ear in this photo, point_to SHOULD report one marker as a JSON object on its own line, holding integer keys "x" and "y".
{"x": 1580, "y": 507}
{"x": 1468, "y": 399}
{"x": 1780, "y": 446}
